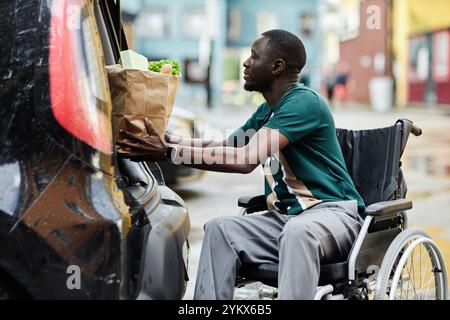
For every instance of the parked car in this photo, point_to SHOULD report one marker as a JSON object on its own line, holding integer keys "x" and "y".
{"x": 186, "y": 123}
{"x": 76, "y": 222}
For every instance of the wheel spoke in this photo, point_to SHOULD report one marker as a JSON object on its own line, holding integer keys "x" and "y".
{"x": 420, "y": 265}
{"x": 428, "y": 284}
{"x": 426, "y": 266}
{"x": 418, "y": 288}
{"x": 413, "y": 273}
{"x": 405, "y": 269}
{"x": 412, "y": 264}
{"x": 412, "y": 284}
{"x": 428, "y": 287}
{"x": 401, "y": 287}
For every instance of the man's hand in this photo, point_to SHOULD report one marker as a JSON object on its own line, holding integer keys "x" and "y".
{"x": 149, "y": 148}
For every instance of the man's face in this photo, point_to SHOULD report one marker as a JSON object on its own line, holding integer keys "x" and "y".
{"x": 258, "y": 67}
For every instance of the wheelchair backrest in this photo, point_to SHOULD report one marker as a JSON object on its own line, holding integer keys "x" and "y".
{"x": 373, "y": 160}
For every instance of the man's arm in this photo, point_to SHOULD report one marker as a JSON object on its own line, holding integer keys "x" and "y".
{"x": 262, "y": 145}
{"x": 222, "y": 158}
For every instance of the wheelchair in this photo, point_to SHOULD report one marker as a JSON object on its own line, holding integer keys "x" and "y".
{"x": 388, "y": 260}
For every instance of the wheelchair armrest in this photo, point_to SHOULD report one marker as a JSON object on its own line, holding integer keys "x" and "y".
{"x": 253, "y": 204}
{"x": 386, "y": 207}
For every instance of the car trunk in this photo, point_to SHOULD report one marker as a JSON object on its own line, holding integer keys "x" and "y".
{"x": 148, "y": 201}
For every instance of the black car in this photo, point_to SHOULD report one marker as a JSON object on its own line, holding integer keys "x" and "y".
{"x": 76, "y": 222}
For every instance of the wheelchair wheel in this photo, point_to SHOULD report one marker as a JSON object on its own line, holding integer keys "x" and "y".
{"x": 412, "y": 269}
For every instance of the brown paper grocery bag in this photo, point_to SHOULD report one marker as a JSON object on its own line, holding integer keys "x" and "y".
{"x": 137, "y": 94}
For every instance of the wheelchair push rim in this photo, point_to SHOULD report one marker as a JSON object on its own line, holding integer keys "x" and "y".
{"x": 414, "y": 269}
{"x": 418, "y": 273}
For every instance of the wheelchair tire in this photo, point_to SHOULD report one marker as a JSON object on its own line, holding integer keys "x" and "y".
{"x": 400, "y": 257}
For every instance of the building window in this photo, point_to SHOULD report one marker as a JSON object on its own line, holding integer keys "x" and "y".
{"x": 194, "y": 72}
{"x": 232, "y": 67}
{"x": 153, "y": 23}
{"x": 307, "y": 22}
{"x": 419, "y": 59}
{"x": 441, "y": 56}
{"x": 266, "y": 20}
{"x": 349, "y": 17}
{"x": 234, "y": 24}
{"x": 194, "y": 23}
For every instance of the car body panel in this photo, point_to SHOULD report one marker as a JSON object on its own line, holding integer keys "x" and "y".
{"x": 62, "y": 201}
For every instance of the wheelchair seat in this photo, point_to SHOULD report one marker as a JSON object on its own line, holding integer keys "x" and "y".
{"x": 267, "y": 273}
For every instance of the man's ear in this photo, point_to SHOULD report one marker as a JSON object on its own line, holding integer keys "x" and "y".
{"x": 278, "y": 67}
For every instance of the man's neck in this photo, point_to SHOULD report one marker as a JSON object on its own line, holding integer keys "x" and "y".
{"x": 277, "y": 90}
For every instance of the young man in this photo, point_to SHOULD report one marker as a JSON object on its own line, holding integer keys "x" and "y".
{"x": 313, "y": 204}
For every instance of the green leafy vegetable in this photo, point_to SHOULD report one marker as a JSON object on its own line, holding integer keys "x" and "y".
{"x": 156, "y": 66}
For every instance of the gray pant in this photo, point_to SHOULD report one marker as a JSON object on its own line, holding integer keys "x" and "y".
{"x": 299, "y": 244}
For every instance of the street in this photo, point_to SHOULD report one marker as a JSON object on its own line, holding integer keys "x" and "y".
{"x": 426, "y": 164}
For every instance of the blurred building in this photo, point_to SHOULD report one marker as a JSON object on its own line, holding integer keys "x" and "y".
{"x": 212, "y": 38}
{"x": 365, "y": 51}
{"x": 189, "y": 31}
{"x": 421, "y": 41}
{"x": 404, "y": 41}
{"x": 248, "y": 18}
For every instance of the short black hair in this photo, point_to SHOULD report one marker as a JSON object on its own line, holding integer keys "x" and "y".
{"x": 286, "y": 45}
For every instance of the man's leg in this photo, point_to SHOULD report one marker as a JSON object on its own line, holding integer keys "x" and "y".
{"x": 227, "y": 242}
{"x": 322, "y": 234}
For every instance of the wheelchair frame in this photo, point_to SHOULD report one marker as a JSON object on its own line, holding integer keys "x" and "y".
{"x": 377, "y": 244}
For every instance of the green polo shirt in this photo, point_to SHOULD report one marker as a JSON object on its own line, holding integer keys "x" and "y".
{"x": 311, "y": 168}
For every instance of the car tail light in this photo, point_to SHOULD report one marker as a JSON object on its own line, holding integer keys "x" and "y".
{"x": 79, "y": 92}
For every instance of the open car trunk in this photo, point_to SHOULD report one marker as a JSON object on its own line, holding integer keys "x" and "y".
{"x": 154, "y": 263}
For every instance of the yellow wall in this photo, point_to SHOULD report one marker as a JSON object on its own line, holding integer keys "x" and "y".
{"x": 412, "y": 17}
{"x": 350, "y": 3}
{"x": 426, "y": 15}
